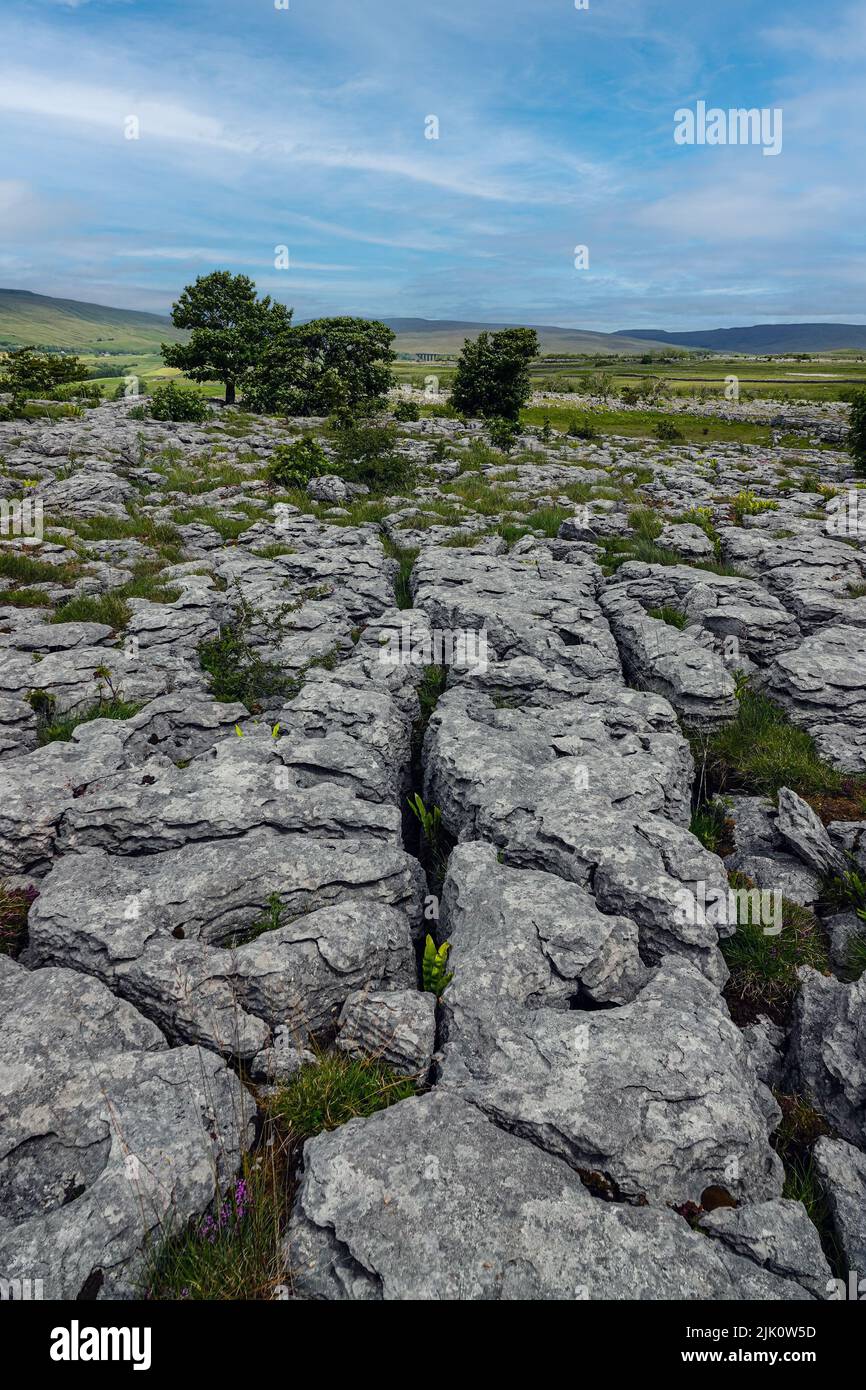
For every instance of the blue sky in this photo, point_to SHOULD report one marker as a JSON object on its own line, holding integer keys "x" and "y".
{"x": 305, "y": 127}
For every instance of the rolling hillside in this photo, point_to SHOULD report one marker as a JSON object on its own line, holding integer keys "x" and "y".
{"x": 447, "y": 336}
{"x": 763, "y": 337}
{"x": 27, "y": 318}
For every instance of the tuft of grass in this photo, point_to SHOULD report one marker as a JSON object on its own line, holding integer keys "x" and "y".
{"x": 405, "y": 559}
{"x": 234, "y": 1253}
{"x": 110, "y": 609}
{"x": 272, "y": 919}
{"x": 24, "y": 569}
{"x": 335, "y": 1088}
{"x": 61, "y": 729}
{"x": 762, "y": 751}
{"x": 23, "y": 598}
{"x": 710, "y": 825}
{"x": 764, "y": 968}
{"x": 15, "y": 904}
{"x": 672, "y": 616}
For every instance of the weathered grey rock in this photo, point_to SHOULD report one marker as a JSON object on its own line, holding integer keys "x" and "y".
{"x": 778, "y": 1236}
{"x": 108, "y": 1139}
{"x": 827, "y": 1054}
{"x": 588, "y": 1087}
{"x": 762, "y": 855}
{"x": 662, "y": 658}
{"x": 740, "y": 615}
{"x": 765, "y": 1040}
{"x": 843, "y": 928}
{"x": 156, "y": 930}
{"x": 842, "y": 1171}
{"x": 690, "y": 540}
{"x": 522, "y": 939}
{"x": 430, "y": 1201}
{"x": 237, "y": 785}
{"x": 801, "y": 829}
{"x": 331, "y": 488}
{"x": 86, "y": 494}
{"x": 822, "y": 686}
{"x": 397, "y": 1027}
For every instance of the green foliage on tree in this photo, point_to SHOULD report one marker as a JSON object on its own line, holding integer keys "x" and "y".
{"x": 174, "y": 401}
{"x": 318, "y": 368}
{"x": 857, "y": 433}
{"x": 492, "y": 377}
{"x": 27, "y": 372}
{"x": 230, "y": 326}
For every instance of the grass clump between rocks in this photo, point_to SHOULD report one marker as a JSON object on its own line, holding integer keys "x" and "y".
{"x": 335, "y": 1088}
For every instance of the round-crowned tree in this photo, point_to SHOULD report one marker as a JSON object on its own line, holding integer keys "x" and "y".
{"x": 492, "y": 377}
{"x": 230, "y": 328}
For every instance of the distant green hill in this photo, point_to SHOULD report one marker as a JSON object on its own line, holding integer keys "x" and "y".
{"x": 448, "y": 336}
{"x": 69, "y": 324}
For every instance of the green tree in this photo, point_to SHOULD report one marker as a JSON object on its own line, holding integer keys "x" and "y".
{"x": 492, "y": 377}
{"x": 230, "y": 327}
{"x": 27, "y": 372}
{"x": 318, "y": 368}
{"x": 857, "y": 432}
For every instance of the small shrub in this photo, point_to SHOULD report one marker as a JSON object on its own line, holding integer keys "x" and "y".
{"x": 366, "y": 453}
{"x": 407, "y": 411}
{"x": 667, "y": 432}
{"x": 239, "y": 674}
{"x": 294, "y": 465}
{"x": 857, "y": 432}
{"x": 581, "y": 428}
{"x": 504, "y": 434}
{"x": 173, "y": 401}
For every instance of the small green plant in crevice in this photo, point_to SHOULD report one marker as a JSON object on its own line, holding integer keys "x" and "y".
{"x": 746, "y": 503}
{"x": 110, "y": 704}
{"x": 235, "y": 1252}
{"x": 407, "y": 411}
{"x": 325, "y": 1094}
{"x": 429, "y": 820}
{"x": 800, "y": 1128}
{"x": 672, "y": 616}
{"x": 273, "y": 917}
{"x": 238, "y": 674}
{"x": 713, "y": 828}
{"x": 430, "y": 690}
{"x": 855, "y": 960}
{"x": 434, "y": 975}
{"x": 15, "y": 904}
{"x": 405, "y": 561}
